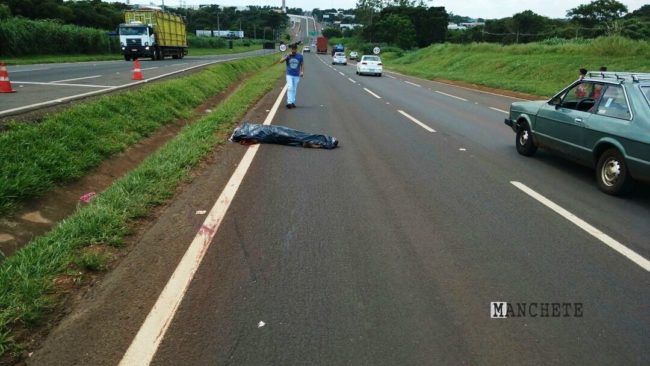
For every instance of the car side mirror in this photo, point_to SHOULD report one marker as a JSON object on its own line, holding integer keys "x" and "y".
{"x": 557, "y": 101}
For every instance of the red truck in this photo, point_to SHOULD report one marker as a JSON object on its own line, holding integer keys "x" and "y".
{"x": 321, "y": 45}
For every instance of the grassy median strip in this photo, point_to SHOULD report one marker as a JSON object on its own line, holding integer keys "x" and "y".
{"x": 66, "y": 145}
{"x": 27, "y": 278}
{"x": 541, "y": 68}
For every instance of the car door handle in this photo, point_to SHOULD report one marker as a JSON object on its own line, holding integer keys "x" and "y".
{"x": 578, "y": 121}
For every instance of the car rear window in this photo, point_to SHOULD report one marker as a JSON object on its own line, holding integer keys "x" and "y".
{"x": 371, "y": 58}
{"x": 339, "y": 54}
{"x": 646, "y": 93}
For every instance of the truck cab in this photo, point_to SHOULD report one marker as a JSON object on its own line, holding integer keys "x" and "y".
{"x": 137, "y": 39}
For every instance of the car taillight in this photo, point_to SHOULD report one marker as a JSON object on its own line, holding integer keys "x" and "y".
{"x": 364, "y": 63}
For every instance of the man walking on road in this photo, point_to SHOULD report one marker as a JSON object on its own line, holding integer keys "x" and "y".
{"x": 295, "y": 70}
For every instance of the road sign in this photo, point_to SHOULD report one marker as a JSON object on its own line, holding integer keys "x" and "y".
{"x": 283, "y": 47}
{"x": 376, "y": 50}
{"x": 312, "y": 33}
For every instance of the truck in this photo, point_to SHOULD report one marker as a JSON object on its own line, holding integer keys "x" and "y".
{"x": 338, "y": 48}
{"x": 152, "y": 33}
{"x": 321, "y": 45}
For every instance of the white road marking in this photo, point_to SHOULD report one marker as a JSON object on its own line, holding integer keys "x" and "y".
{"x": 149, "y": 68}
{"x": 462, "y": 149}
{"x": 463, "y": 87}
{"x": 184, "y": 63}
{"x": 61, "y": 84}
{"x": 392, "y": 77}
{"x": 416, "y": 121}
{"x": 609, "y": 241}
{"x": 452, "y": 96}
{"x": 29, "y": 70}
{"x": 352, "y": 80}
{"x": 342, "y": 74}
{"x": 261, "y": 324}
{"x": 75, "y": 79}
{"x": 499, "y": 110}
{"x": 151, "y": 333}
{"x": 371, "y": 93}
{"x": 414, "y": 84}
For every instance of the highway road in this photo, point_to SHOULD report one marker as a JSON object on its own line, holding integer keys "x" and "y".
{"x": 51, "y": 84}
{"x": 387, "y": 250}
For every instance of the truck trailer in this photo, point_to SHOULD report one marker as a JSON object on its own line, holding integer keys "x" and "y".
{"x": 321, "y": 45}
{"x": 152, "y": 33}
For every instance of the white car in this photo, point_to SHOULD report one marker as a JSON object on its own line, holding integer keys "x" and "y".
{"x": 306, "y": 49}
{"x": 339, "y": 58}
{"x": 370, "y": 65}
{"x": 354, "y": 55}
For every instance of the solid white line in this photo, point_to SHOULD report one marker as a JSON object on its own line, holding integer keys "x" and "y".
{"x": 15, "y": 71}
{"x": 416, "y": 121}
{"x": 149, "y": 68}
{"x": 499, "y": 110}
{"x": 151, "y": 333}
{"x": 352, "y": 80}
{"x": 392, "y": 77}
{"x": 452, "y": 96}
{"x": 414, "y": 84}
{"x": 85, "y": 77}
{"x": 60, "y": 84}
{"x": 184, "y": 63}
{"x": 609, "y": 241}
{"x": 371, "y": 93}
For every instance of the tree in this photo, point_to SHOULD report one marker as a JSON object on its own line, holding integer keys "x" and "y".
{"x": 605, "y": 12}
{"x": 332, "y": 32}
{"x": 528, "y": 24}
{"x": 396, "y": 29}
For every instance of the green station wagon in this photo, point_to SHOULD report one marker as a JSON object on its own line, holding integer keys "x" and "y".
{"x": 602, "y": 121}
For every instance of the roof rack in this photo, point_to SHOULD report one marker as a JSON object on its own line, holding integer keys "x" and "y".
{"x": 634, "y": 76}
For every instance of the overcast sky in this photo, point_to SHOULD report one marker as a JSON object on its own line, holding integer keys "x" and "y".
{"x": 488, "y": 9}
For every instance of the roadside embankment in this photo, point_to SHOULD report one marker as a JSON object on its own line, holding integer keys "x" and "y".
{"x": 30, "y": 280}
{"x": 541, "y": 68}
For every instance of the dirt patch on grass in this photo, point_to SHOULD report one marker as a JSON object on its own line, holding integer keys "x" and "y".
{"x": 38, "y": 216}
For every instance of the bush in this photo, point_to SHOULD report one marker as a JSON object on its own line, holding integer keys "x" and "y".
{"x": 206, "y": 42}
{"x": 20, "y": 37}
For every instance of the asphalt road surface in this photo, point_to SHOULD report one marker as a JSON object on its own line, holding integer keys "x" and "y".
{"x": 49, "y": 84}
{"x": 387, "y": 250}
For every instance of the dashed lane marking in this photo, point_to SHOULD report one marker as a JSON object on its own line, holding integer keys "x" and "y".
{"x": 414, "y": 120}
{"x": 606, "y": 239}
{"x": 451, "y": 96}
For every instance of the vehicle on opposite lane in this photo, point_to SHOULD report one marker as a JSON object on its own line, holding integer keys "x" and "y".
{"x": 602, "y": 121}
{"x": 370, "y": 64}
{"x": 339, "y": 58}
{"x": 354, "y": 55}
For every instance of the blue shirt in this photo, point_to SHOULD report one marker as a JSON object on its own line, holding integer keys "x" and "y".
{"x": 293, "y": 64}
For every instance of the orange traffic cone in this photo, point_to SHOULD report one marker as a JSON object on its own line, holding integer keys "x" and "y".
{"x": 5, "y": 84}
{"x": 137, "y": 74}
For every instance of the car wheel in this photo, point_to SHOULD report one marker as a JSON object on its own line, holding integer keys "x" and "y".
{"x": 612, "y": 174}
{"x": 127, "y": 58}
{"x": 379, "y": 74}
{"x": 345, "y": 64}
{"x": 524, "y": 141}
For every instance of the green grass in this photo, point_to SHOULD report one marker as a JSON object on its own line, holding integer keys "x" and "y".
{"x": 65, "y": 146}
{"x": 537, "y": 68}
{"x": 26, "y": 279}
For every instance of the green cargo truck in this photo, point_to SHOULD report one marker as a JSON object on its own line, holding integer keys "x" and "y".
{"x": 152, "y": 33}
